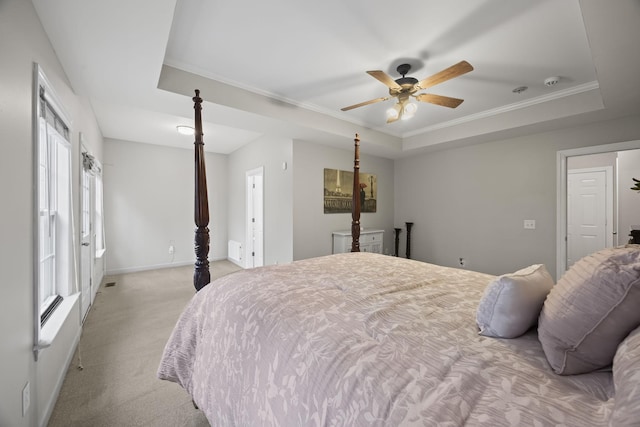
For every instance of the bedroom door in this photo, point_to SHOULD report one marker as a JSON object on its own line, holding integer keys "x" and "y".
{"x": 255, "y": 218}
{"x": 589, "y": 212}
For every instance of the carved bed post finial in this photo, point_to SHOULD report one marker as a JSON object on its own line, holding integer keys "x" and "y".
{"x": 201, "y": 275}
{"x": 355, "y": 199}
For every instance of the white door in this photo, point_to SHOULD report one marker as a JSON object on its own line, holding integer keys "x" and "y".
{"x": 255, "y": 218}
{"x": 589, "y": 212}
{"x": 86, "y": 254}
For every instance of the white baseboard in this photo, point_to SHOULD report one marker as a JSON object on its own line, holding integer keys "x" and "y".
{"x": 117, "y": 271}
{"x": 236, "y": 262}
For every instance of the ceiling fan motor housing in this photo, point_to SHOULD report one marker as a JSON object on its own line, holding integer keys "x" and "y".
{"x": 407, "y": 83}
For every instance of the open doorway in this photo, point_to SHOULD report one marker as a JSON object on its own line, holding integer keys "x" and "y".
{"x": 626, "y": 204}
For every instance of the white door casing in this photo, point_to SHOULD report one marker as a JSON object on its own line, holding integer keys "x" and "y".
{"x": 254, "y": 252}
{"x": 86, "y": 251}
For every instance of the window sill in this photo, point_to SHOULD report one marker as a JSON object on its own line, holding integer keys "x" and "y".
{"x": 51, "y": 328}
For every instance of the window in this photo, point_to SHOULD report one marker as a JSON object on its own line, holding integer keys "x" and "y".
{"x": 54, "y": 248}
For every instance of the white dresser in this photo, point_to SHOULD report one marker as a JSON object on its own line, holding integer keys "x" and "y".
{"x": 370, "y": 241}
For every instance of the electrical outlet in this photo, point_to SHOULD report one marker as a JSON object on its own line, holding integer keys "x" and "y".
{"x": 172, "y": 249}
{"x": 530, "y": 224}
{"x": 26, "y": 399}
{"x": 462, "y": 262}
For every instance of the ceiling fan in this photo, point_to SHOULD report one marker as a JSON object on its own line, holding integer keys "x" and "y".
{"x": 406, "y": 87}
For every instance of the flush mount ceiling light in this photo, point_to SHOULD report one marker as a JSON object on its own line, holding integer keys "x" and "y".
{"x": 185, "y": 130}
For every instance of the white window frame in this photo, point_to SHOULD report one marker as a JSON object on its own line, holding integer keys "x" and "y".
{"x": 54, "y": 249}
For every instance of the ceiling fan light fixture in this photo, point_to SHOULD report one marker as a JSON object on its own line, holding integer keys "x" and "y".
{"x": 394, "y": 112}
{"x": 409, "y": 110}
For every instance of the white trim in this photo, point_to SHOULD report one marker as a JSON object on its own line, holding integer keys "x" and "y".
{"x": 51, "y": 328}
{"x": 43, "y": 334}
{"x": 586, "y": 87}
{"x": 51, "y": 96}
{"x": 575, "y": 90}
{"x": 137, "y": 269}
{"x": 259, "y": 171}
{"x": 233, "y": 261}
{"x": 561, "y": 193}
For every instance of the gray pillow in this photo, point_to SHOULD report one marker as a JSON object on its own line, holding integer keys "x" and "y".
{"x": 512, "y": 302}
{"x": 626, "y": 380}
{"x": 592, "y": 308}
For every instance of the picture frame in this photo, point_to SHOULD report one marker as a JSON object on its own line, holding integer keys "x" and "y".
{"x": 338, "y": 191}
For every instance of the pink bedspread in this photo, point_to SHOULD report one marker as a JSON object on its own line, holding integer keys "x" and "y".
{"x": 361, "y": 339}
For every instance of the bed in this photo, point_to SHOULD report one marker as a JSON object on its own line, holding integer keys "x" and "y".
{"x": 362, "y": 339}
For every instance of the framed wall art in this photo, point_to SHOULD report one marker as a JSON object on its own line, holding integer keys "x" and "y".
{"x": 338, "y": 189}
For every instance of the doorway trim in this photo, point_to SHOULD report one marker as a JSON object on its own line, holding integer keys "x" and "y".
{"x": 87, "y": 243}
{"x": 561, "y": 193}
{"x": 248, "y": 256}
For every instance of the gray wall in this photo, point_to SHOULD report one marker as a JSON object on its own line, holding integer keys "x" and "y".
{"x": 23, "y": 42}
{"x": 471, "y": 202}
{"x": 312, "y": 227}
{"x": 269, "y": 153}
{"x": 148, "y": 202}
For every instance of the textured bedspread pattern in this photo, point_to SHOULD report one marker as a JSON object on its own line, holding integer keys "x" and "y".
{"x": 361, "y": 339}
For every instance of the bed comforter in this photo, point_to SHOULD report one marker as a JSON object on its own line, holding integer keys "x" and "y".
{"x": 361, "y": 339}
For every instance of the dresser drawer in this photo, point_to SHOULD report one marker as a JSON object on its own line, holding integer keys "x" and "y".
{"x": 370, "y": 241}
{"x": 367, "y": 238}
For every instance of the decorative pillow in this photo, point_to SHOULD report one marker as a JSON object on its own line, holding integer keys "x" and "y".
{"x": 511, "y": 303}
{"x": 592, "y": 308}
{"x": 626, "y": 380}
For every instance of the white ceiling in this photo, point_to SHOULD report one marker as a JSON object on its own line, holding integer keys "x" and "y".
{"x": 284, "y": 68}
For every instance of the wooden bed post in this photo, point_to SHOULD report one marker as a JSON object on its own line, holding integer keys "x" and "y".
{"x": 355, "y": 200}
{"x": 201, "y": 275}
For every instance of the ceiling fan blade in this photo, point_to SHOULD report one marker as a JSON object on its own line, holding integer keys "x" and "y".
{"x": 384, "y": 78}
{"x": 456, "y": 70}
{"x": 362, "y": 104}
{"x": 445, "y": 101}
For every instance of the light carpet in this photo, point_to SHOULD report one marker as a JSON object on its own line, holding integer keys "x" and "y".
{"x": 112, "y": 378}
